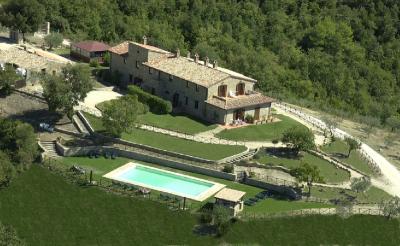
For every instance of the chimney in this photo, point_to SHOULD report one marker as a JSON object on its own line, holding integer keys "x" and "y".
{"x": 178, "y": 53}
{"x": 206, "y": 61}
{"x": 196, "y": 58}
{"x": 188, "y": 55}
{"x": 215, "y": 64}
{"x": 144, "y": 40}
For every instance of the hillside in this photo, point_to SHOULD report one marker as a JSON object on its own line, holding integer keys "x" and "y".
{"x": 337, "y": 55}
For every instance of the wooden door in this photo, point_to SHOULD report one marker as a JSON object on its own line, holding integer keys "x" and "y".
{"x": 240, "y": 89}
{"x": 257, "y": 114}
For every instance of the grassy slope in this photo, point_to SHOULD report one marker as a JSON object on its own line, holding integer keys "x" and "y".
{"x": 45, "y": 210}
{"x": 340, "y": 149}
{"x": 102, "y": 166}
{"x": 162, "y": 141}
{"x": 265, "y": 132}
{"x": 179, "y": 123}
{"x": 330, "y": 173}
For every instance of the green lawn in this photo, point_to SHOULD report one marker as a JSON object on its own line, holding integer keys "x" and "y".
{"x": 102, "y": 166}
{"x": 339, "y": 149}
{"x": 179, "y": 123}
{"x": 372, "y": 195}
{"x": 330, "y": 173}
{"x": 162, "y": 141}
{"x": 174, "y": 122}
{"x": 46, "y": 210}
{"x": 265, "y": 132}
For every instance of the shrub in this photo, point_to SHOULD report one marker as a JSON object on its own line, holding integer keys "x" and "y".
{"x": 206, "y": 218}
{"x": 156, "y": 105}
{"x": 249, "y": 118}
{"x": 228, "y": 168}
{"x": 94, "y": 63}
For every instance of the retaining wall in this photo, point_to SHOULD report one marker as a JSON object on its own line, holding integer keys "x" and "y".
{"x": 84, "y": 151}
{"x": 287, "y": 190}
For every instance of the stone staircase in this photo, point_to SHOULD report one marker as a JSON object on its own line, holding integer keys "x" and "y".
{"x": 50, "y": 148}
{"x": 244, "y": 156}
{"x": 80, "y": 125}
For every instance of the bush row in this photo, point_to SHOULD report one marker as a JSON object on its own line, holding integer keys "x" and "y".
{"x": 157, "y": 105}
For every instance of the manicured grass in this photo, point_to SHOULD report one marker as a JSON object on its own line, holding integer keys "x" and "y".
{"x": 265, "y": 132}
{"x": 166, "y": 142}
{"x": 61, "y": 51}
{"x": 372, "y": 195}
{"x": 46, "y": 210}
{"x": 340, "y": 149}
{"x": 329, "y": 172}
{"x": 179, "y": 123}
{"x": 174, "y": 122}
{"x": 102, "y": 166}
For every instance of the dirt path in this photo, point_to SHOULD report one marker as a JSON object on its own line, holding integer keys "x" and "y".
{"x": 390, "y": 180}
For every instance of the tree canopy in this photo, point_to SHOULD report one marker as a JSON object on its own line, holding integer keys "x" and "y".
{"x": 307, "y": 173}
{"x": 8, "y": 78}
{"x": 336, "y": 55}
{"x": 120, "y": 115}
{"x": 299, "y": 138}
{"x": 63, "y": 92}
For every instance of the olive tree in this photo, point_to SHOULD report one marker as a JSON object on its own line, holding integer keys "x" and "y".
{"x": 120, "y": 115}
{"x": 307, "y": 173}
{"x": 360, "y": 185}
{"x": 390, "y": 208}
{"x": 299, "y": 138}
{"x": 352, "y": 144}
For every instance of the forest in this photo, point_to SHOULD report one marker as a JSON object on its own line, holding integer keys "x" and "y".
{"x": 337, "y": 55}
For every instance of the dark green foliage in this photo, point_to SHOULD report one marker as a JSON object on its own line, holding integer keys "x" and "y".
{"x": 63, "y": 92}
{"x": 307, "y": 173}
{"x": 22, "y": 15}
{"x": 156, "y": 104}
{"x": 299, "y": 138}
{"x": 249, "y": 118}
{"x": 327, "y": 54}
{"x": 228, "y": 168}
{"x": 8, "y": 78}
{"x": 353, "y": 145}
{"x": 19, "y": 141}
{"x": 53, "y": 40}
{"x": 120, "y": 115}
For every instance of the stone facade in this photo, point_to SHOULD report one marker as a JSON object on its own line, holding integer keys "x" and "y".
{"x": 195, "y": 87}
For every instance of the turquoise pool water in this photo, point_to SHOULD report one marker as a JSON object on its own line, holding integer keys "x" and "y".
{"x": 165, "y": 181}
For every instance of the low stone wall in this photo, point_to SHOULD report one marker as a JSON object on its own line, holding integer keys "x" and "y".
{"x": 84, "y": 151}
{"x": 85, "y": 122}
{"x": 287, "y": 190}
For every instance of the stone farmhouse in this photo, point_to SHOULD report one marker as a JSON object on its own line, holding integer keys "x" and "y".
{"x": 198, "y": 88}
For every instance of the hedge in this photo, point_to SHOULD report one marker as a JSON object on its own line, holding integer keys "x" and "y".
{"x": 156, "y": 104}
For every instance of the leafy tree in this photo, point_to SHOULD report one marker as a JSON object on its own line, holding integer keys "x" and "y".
{"x": 22, "y": 15}
{"x": 307, "y": 173}
{"x": 394, "y": 122}
{"x": 299, "y": 138}
{"x": 352, "y": 144}
{"x": 9, "y": 237}
{"x": 8, "y": 78}
{"x": 7, "y": 170}
{"x": 360, "y": 184}
{"x": 54, "y": 39}
{"x": 120, "y": 115}
{"x": 221, "y": 217}
{"x": 390, "y": 208}
{"x": 63, "y": 92}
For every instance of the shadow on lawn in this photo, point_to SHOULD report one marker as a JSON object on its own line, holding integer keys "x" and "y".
{"x": 35, "y": 117}
{"x": 283, "y": 152}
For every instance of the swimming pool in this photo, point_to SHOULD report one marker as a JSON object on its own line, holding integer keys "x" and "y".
{"x": 165, "y": 181}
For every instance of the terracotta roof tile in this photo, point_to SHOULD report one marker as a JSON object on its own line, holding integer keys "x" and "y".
{"x": 92, "y": 46}
{"x": 230, "y": 195}
{"x": 120, "y": 49}
{"x": 239, "y": 101}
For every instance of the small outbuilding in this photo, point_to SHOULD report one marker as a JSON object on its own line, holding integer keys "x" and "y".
{"x": 231, "y": 199}
{"x": 88, "y": 51}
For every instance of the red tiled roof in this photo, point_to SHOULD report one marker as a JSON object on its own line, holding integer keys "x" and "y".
{"x": 92, "y": 46}
{"x": 120, "y": 49}
{"x": 239, "y": 101}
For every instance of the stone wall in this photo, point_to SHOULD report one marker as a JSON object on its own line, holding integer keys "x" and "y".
{"x": 84, "y": 151}
{"x": 287, "y": 190}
